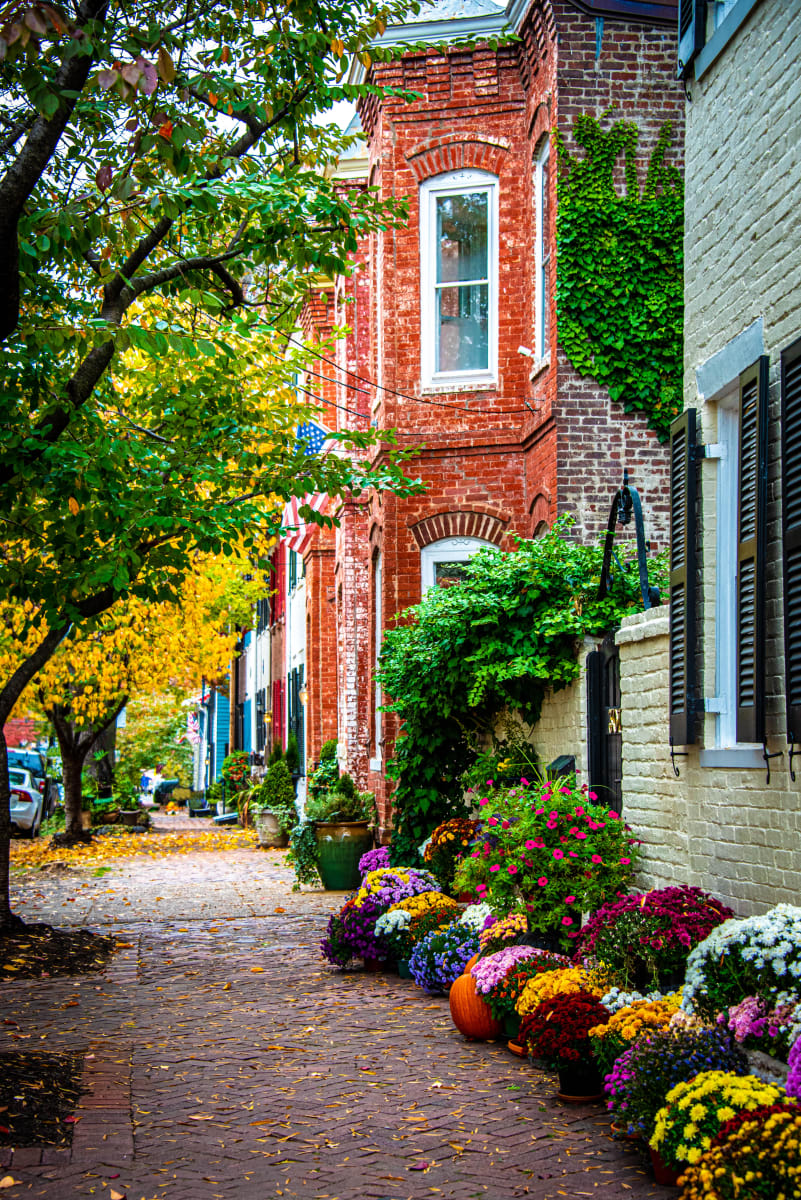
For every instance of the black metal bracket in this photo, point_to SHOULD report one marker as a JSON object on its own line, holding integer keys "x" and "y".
{"x": 767, "y": 756}
{"x": 674, "y": 754}
{"x": 626, "y": 504}
{"x": 791, "y": 753}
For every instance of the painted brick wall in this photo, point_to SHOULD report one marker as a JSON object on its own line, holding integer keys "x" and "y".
{"x": 743, "y": 262}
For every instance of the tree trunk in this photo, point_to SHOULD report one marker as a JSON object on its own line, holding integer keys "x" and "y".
{"x": 9, "y": 923}
{"x": 103, "y": 768}
{"x": 72, "y": 758}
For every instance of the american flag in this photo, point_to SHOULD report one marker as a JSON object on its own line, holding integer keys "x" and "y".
{"x": 295, "y": 529}
{"x": 310, "y": 438}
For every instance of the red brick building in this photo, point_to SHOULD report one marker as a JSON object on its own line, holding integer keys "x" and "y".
{"x": 454, "y": 340}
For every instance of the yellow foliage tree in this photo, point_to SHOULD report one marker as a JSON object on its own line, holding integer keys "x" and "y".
{"x": 133, "y": 649}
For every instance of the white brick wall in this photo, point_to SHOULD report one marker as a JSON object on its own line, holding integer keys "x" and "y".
{"x": 742, "y": 263}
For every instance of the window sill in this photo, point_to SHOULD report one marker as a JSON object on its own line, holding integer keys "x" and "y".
{"x": 723, "y": 35}
{"x": 541, "y": 365}
{"x": 459, "y": 383}
{"x": 742, "y": 757}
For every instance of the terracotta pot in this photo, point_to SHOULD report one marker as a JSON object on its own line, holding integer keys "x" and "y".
{"x": 471, "y": 1015}
{"x": 517, "y": 1049}
{"x": 662, "y": 1172}
{"x": 620, "y": 1131}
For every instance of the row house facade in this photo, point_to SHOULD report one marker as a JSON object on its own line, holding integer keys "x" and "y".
{"x": 453, "y": 341}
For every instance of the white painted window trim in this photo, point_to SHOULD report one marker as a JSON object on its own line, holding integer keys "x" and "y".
{"x": 541, "y": 350}
{"x": 727, "y": 751}
{"x": 447, "y": 550}
{"x": 455, "y": 183}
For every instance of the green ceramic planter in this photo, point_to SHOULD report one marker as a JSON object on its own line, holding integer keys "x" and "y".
{"x": 403, "y": 968}
{"x": 340, "y": 845}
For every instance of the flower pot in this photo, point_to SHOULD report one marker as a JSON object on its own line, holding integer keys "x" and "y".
{"x": 471, "y": 1015}
{"x": 621, "y": 1132}
{"x": 340, "y": 845}
{"x": 131, "y": 816}
{"x": 580, "y": 1083}
{"x": 268, "y": 829}
{"x": 662, "y": 1172}
{"x": 516, "y": 1048}
{"x": 511, "y": 1026}
{"x": 373, "y": 965}
{"x": 403, "y": 968}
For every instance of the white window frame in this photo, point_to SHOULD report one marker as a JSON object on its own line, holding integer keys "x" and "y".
{"x": 447, "y": 550}
{"x": 541, "y": 350}
{"x": 455, "y": 183}
{"x": 727, "y": 751}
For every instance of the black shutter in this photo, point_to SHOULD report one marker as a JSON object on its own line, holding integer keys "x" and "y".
{"x": 791, "y": 534}
{"x": 682, "y": 579}
{"x": 692, "y": 32}
{"x": 751, "y": 522}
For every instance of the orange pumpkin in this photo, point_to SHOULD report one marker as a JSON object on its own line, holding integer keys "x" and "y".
{"x": 471, "y": 962}
{"x": 471, "y": 1015}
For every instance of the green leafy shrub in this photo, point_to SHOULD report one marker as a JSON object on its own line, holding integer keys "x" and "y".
{"x": 302, "y": 856}
{"x": 342, "y": 803}
{"x": 276, "y": 795}
{"x": 292, "y": 755}
{"x": 500, "y": 640}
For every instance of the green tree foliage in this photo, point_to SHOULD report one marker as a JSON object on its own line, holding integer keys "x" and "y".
{"x": 166, "y": 201}
{"x": 619, "y": 292}
{"x": 154, "y": 732}
{"x": 499, "y": 639}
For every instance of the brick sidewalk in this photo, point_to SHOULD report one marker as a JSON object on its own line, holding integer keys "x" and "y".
{"x": 209, "y": 1078}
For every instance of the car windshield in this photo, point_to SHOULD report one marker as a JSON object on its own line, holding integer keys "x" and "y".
{"x": 26, "y": 761}
{"x": 15, "y": 778}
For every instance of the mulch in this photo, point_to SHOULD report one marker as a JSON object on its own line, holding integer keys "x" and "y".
{"x": 40, "y": 951}
{"x": 38, "y": 1095}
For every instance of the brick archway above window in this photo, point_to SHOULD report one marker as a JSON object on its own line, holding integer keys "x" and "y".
{"x": 459, "y": 524}
{"x": 438, "y": 155}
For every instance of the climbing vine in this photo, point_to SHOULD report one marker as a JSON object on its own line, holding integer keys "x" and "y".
{"x": 502, "y": 637}
{"x": 619, "y": 294}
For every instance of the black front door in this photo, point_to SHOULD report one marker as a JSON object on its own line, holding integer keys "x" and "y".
{"x": 605, "y": 738}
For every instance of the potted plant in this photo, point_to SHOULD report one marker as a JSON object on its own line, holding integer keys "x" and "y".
{"x": 449, "y": 842}
{"x": 642, "y": 1076}
{"x": 440, "y": 958}
{"x": 645, "y": 939}
{"x": 326, "y": 774}
{"x": 558, "y": 1031}
{"x": 760, "y": 1146}
{"x": 341, "y": 820}
{"x": 695, "y": 1111}
{"x": 273, "y": 806}
{"x": 352, "y": 932}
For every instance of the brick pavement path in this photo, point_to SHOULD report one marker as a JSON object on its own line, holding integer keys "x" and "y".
{"x": 225, "y": 1060}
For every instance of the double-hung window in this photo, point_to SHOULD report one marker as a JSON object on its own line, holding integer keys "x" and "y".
{"x": 459, "y": 278}
{"x": 542, "y": 252}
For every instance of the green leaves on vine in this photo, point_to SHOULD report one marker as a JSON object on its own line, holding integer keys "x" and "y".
{"x": 619, "y": 295}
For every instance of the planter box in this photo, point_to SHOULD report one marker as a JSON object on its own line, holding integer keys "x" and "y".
{"x": 340, "y": 845}
{"x": 269, "y": 830}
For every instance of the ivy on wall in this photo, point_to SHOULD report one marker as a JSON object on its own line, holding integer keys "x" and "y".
{"x": 619, "y": 294}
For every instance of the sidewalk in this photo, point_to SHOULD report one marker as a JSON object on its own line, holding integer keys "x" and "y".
{"x": 225, "y": 1060}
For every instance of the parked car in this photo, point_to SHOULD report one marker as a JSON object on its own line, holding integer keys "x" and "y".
{"x": 27, "y": 802}
{"x": 35, "y": 763}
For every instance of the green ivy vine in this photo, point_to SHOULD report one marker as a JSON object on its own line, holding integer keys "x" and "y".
{"x": 499, "y": 640}
{"x": 619, "y": 292}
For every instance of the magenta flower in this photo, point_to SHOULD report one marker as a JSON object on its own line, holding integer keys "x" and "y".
{"x": 567, "y": 920}
{"x": 495, "y": 867}
{"x": 591, "y": 796}
{"x": 530, "y": 845}
{"x": 581, "y": 834}
{"x": 572, "y": 853}
{"x": 542, "y": 881}
{"x": 559, "y": 854}
{"x": 596, "y": 858}
{"x": 492, "y": 821}
{"x": 484, "y": 800}
{"x": 625, "y": 861}
{"x": 570, "y": 899}
{"x": 524, "y": 782}
{"x": 512, "y": 869}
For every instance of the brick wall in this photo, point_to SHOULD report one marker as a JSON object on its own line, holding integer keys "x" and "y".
{"x": 524, "y": 449}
